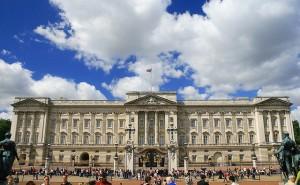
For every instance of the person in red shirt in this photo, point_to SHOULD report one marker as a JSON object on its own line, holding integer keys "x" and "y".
{"x": 103, "y": 181}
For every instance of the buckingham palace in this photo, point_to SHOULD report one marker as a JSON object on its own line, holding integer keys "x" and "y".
{"x": 152, "y": 129}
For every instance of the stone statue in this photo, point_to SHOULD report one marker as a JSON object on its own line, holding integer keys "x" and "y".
{"x": 287, "y": 156}
{"x": 7, "y": 156}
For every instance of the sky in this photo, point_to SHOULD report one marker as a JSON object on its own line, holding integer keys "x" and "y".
{"x": 91, "y": 49}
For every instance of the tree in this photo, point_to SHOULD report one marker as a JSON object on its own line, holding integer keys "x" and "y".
{"x": 296, "y": 131}
{"x": 4, "y": 127}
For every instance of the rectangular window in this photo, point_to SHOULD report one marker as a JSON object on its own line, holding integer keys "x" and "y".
{"x": 161, "y": 123}
{"x": 239, "y": 123}
{"x": 18, "y": 138}
{"x": 181, "y": 139}
{"x": 194, "y": 157}
{"x": 109, "y": 123}
{"x": 217, "y": 139}
{"x": 251, "y": 138}
{"x": 241, "y": 157}
{"x": 205, "y": 158}
{"x": 228, "y": 138}
{"x": 193, "y": 123}
{"x": 181, "y": 124}
{"x": 64, "y": 123}
{"x": 52, "y": 138}
{"x": 61, "y": 157}
{"x": 63, "y": 139}
{"x": 75, "y": 123}
{"x": 228, "y": 123}
{"x": 250, "y": 123}
{"x": 267, "y": 137}
{"x": 141, "y": 140}
{"x": 98, "y": 123}
{"x": 161, "y": 140}
{"x": 205, "y": 139}
{"x": 216, "y": 121}
{"x": 87, "y": 123}
{"x": 121, "y": 123}
{"x": 205, "y": 123}
{"x": 74, "y": 139}
{"x": 151, "y": 140}
{"x": 240, "y": 138}
{"x": 121, "y": 139}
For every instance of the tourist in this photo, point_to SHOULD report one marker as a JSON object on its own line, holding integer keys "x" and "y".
{"x": 30, "y": 183}
{"x": 188, "y": 179}
{"x": 233, "y": 179}
{"x": 65, "y": 180}
{"x": 103, "y": 180}
{"x": 291, "y": 180}
{"x": 147, "y": 180}
{"x": 46, "y": 180}
{"x": 170, "y": 181}
{"x": 10, "y": 180}
{"x": 202, "y": 181}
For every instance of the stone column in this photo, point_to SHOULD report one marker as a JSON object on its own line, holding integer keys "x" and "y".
{"x": 32, "y": 137}
{"x": 279, "y": 126}
{"x": 24, "y": 128}
{"x": 222, "y": 122}
{"x": 260, "y": 130}
{"x": 186, "y": 164}
{"x": 129, "y": 157}
{"x": 156, "y": 128}
{"x": 15, "y": 124}
{"x": 289, "y": 125}
{"x": 211, "y": 128}
{"x": 80, "y": 135}
{"x": 270, "y": 127}
{"x": 92, "y": 138}
{"x": 115, "y": 128}
{"x": 246, "y": 128}
{"x": 57, "y": 128}
{"x": 135, "y": 125}
{"x": 234, "y": 128}
{"x": 104, "y": 129}
{"x": 69, "y": 128}
{"x": 166, "y": 127}
{"x": 146, "y": 128}
{"x": 45, "y": 126}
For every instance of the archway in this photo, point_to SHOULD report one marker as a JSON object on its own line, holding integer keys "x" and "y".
{"x": 84, "y": 158}
{"x": 218, "y": 159}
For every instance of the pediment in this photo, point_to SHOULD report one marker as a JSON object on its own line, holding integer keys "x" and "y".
{"x": 29, "y": 102}
{"x": 151, "y": 100}
{"x": 274, "y": 102}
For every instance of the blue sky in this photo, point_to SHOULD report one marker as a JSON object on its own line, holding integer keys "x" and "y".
{"x": 101, "y": 49}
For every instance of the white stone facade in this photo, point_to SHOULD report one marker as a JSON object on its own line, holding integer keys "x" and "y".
{"x": 85, "y": 132}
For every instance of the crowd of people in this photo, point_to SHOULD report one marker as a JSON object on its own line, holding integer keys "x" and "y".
{"x": 157, "y": 176}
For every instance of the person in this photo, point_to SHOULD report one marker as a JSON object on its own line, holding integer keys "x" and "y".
{"x": 30, "y": 183}
{"x": 202, "y": 181}
{"x": 65, "y": 180}
{"x": 188, "y": 179}
{"x": 291, "y": 180}
{"x": 170, "y": 181}
{"x": 46, "y": 180}
{"x": 147, "y": 180}
{"x": 164, "y": 182}
{"x": 10, "y": 180}
{"x": 232, "y": 180}
{"x": 297, "y": 182}
{"x": 103, "y": 180}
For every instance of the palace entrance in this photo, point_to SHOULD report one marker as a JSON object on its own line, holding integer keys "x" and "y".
{"x": 152, "y": 158}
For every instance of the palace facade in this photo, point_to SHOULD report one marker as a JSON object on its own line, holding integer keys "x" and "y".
{"x": 204, "y": 132}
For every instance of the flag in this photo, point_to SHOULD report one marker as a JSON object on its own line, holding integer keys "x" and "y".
{"x": 149, "y": 70}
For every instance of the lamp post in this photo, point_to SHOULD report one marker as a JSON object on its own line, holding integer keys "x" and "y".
{"x": 186, "y": 158}
{"x": 253, "y": 156}
{"x": 116, "y": 159}
{"x": 47, "y": 158}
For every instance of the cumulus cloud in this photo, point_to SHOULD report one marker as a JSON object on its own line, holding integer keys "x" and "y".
{"x": 191, "y": 93}
{"x": 231, "y": 48}
{"x": 17, "y": 81}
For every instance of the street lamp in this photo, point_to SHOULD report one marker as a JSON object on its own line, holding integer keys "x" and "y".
{"x": 186, "y": 158}
{"x": 116, "y": 158}
{"x": 253, "y": 156}
{"x": 47, "y": 158}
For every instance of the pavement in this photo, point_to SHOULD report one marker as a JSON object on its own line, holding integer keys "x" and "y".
{"x": 264, "y": 180}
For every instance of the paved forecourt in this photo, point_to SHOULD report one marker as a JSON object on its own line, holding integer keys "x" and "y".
{"x": 266, "y": 180}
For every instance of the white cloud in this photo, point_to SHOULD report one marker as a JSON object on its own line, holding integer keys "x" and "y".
{"x": 5, "y": 52}
{"x": 296, "y": 114}
{"x": 17, "y": 81}
{"x": 292, "y": 92}
{"x": 240, "y": 45}
{"x": 191, "y": 93}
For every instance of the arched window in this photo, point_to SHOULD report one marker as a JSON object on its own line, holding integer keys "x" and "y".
{"x": 205, "y": 138}
{"x": 240, "y": 138}
{"x": 194, "y": 139}
{"x": 217, "y": 138}
{"x": 63, "y": 138}
{"x": 251, "y": 137}
{"x": 97, "y": 138}
{"x": 109, "y": 139}
{"x": 74, "y": 138}
{"x": 86, "y": 138}
{"x": 228, "y": 138}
